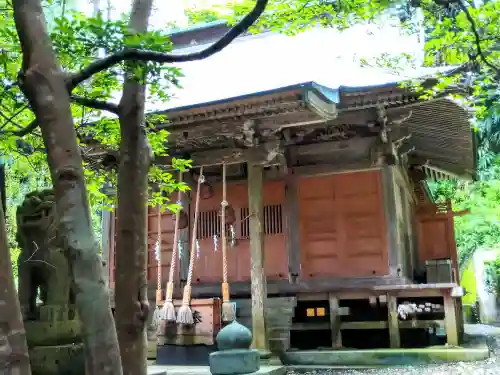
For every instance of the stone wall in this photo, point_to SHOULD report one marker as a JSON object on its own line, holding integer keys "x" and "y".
{"x": 489, "y": 307}
{"x": 279, "y": 314}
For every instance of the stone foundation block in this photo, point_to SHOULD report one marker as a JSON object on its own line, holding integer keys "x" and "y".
{"x": 234, "y": 362}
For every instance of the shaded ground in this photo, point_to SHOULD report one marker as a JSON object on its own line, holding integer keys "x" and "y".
{"x": 489, "y": 367}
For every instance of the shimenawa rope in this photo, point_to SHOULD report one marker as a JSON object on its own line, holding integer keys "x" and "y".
{"x": 168, "y": 309}
{"x": 157, "y": 315}
{"x": 227, "y": 307}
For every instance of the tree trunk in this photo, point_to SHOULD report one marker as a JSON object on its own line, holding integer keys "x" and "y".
{"x": 131, "y": 300}
{"x": 13, "y": 347}
{"x": 43, "y": 83}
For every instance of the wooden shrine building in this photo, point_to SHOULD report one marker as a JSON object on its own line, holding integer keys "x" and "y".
{"x": 351, "y": 237}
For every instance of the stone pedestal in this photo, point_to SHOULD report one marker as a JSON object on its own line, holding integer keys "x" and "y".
{"x": 57, "y": 360}
{"x": 47, "y": 333}
{"x": 54, "y": 341}
{"x": 234, "y": 356}
{"x": 235, "y": 361}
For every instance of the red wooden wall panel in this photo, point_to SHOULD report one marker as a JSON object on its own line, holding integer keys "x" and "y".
{"x": 436, "y": 235}
{"x": 342, "y": 227}
{"x": 343, "y": 230}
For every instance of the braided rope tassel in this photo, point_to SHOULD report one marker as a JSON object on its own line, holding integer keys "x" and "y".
{"x": 185, "y": 315}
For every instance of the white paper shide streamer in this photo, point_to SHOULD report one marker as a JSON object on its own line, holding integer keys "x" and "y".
{"x": 157, "y": 251}
{"x": 216, "y": 242}
{"x": 233, "y": 236}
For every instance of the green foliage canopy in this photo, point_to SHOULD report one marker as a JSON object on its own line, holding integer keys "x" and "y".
{"x": 78, "y": 40}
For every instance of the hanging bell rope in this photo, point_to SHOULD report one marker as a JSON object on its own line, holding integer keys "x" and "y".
{"x": 168, "y": 309}
{"x": 227, "y": 307}
{"x": 157, "y": 315}
{"x": 185, "y": 315}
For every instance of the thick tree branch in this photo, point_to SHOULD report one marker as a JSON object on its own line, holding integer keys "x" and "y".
{"x": 95, "y": 104}
{"x": 8, "y": 120}
{"x": 87, "y": 102}
{"x": 23, "y": 131}
{"x": 477, "y": 38}
{"x": 11, "y": 118}
{"x": 143, "y": 55}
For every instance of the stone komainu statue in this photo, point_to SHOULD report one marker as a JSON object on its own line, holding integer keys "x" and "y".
{"x": 42, "y": 264}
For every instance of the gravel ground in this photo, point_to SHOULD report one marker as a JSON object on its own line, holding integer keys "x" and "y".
{"x": 489, "y": 367}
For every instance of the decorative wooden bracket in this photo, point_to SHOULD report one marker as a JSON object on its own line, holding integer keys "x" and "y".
{"x": 383, "y": 152}
{"x": 249, "y": 134}
{"x": 386, "y": 150}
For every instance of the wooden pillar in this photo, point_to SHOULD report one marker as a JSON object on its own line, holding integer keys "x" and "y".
{"x": 393, "y": 321}
{"x": 292, "y": 227}
{"x": 460, "y": 319}
{"x": 258, "y": 278}
{"x": 389, "y": 195}
{"x": 450, "y": 320}
{"x": 335, "y": 322}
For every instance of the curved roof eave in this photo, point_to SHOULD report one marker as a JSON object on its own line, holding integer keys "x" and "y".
{"x": 327, "y": 94}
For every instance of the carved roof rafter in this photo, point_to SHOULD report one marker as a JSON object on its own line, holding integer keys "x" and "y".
{"x": 249, "y": 123}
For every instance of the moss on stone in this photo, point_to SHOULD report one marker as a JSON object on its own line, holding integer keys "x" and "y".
{"x": 57, "y": 360}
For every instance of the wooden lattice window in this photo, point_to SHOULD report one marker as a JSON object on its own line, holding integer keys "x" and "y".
{"x": 273, "y": 220}
{"x": 209, "y": 225}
